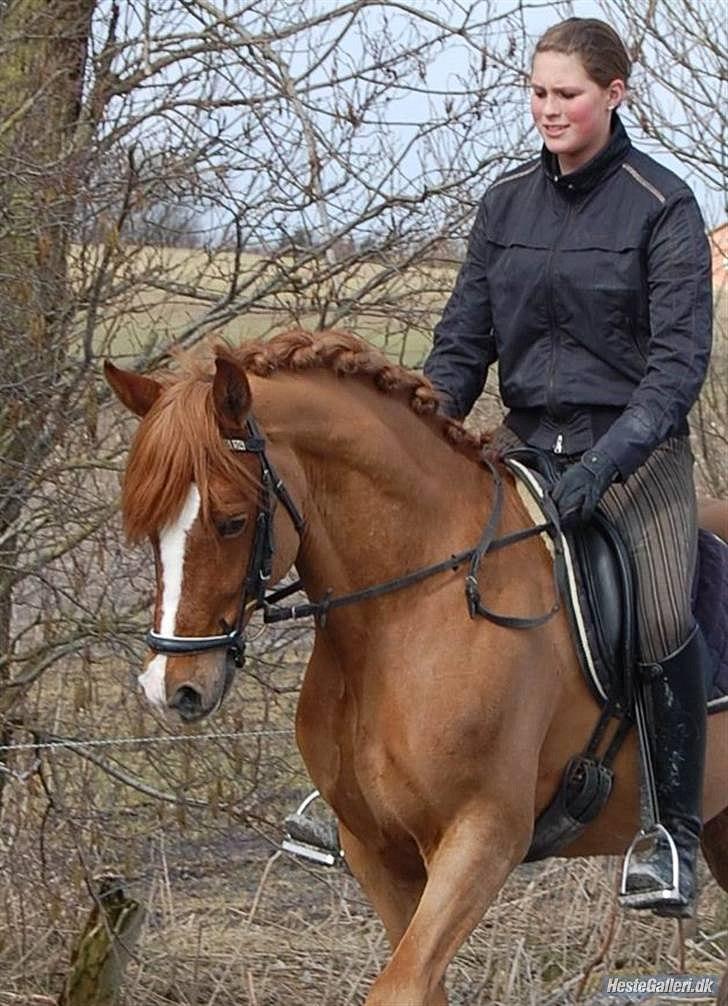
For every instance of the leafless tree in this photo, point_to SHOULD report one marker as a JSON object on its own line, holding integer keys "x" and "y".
{"x": 189, "y": 168}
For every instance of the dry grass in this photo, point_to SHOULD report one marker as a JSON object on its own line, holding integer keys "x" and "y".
{"x": 310, "y": 938}
{"x": 230, "y": 921}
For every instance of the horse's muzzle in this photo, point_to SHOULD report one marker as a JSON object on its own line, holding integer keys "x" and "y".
{"x": 192, "y": 701}
{"x": 188, "y": 702}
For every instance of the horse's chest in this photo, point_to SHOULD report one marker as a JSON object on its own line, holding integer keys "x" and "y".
{"x": 355, "y": 771}
{"x": 370, "y": 793}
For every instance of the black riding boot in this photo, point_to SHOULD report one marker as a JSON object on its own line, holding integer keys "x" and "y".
{"x": 675, "y": 694}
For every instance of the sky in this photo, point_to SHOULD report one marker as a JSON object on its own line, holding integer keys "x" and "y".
{"x": 538, "y": 17}
{"x": 408, "y": 111}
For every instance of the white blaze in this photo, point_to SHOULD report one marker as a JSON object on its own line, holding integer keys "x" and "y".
{"x": 172, "y": 547}
{"x": 152, "y": 681}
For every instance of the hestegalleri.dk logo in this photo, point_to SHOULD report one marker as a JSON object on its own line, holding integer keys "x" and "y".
{"x": 666, "y": 985}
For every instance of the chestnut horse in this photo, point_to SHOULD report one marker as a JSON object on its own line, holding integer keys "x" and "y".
{"x": 436, "y": 738}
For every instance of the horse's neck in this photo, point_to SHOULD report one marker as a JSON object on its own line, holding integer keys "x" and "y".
{"x": 385, "y": 492}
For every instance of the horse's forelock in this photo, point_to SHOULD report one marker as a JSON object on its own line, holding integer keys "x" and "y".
{"x": 178, "y": 442}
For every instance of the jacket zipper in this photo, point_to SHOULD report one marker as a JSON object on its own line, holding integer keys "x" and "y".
{"x": 555, "y": 338}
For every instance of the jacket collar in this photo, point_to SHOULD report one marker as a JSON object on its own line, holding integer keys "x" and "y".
{"x": 603, "y": 164}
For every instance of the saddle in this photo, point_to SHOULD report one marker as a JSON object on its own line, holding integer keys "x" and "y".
{"x": 596, "y": 581}
{"x": 595, "y": 578}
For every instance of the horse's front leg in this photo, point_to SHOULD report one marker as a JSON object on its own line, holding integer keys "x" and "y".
{"x": 465, "y": 873}
{"x": 394, "y": 886}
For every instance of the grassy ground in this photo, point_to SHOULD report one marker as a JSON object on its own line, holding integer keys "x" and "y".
{"x": 229, "y": 919}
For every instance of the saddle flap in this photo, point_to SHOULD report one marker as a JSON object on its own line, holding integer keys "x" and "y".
{"x": 596, "y": 583}
{"x": 602, "y": 589}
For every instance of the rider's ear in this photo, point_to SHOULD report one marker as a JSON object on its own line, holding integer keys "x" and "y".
{"x": 231, "y": 394}
{"x": 138, "y": 393}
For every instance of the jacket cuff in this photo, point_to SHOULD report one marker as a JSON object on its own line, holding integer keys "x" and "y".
{"x": 447, "y": 405}
{"x": 629, "y": 441}
{"x": 600, "y": 465}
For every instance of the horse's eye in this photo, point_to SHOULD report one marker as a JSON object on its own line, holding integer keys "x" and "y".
{"x": 230, "y": 527}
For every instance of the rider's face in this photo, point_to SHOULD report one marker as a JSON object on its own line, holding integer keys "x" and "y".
{"x": 571, "y": 111}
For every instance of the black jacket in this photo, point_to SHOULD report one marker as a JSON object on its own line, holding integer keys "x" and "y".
{"x": 593, "y": 292}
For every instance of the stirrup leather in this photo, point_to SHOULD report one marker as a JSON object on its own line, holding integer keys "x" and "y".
{"x": 640, "y": 899}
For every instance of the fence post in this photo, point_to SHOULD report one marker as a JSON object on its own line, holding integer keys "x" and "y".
{"x": 103, "y": 949}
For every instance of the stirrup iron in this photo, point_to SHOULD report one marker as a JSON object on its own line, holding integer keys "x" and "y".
{"x": 639, "y": 899}
{"x": 310, "y": 839}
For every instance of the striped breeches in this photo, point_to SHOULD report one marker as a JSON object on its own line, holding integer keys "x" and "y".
{"x": 656, "y": 514}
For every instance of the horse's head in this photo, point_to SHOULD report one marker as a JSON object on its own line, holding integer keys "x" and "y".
{"x": 199, "y": 485}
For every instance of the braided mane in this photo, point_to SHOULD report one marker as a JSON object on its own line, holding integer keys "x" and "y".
{"x": 348, "y": 355}
{"x": 179, "y": 442}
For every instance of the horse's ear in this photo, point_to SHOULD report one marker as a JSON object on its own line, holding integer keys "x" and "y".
{"x": 138, "y": 393}
{"x": 231, "y": 394}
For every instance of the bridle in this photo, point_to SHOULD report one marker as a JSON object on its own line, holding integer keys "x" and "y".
{"x": 260, "y": 562}
{"x": 254, "y": 595}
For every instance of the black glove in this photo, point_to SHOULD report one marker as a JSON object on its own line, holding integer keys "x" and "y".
{"x": 580, "y": 488}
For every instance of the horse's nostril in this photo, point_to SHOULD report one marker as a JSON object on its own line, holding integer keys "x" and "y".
{"x": 187, "y": 700}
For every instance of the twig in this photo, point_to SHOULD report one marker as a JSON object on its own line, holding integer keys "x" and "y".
{"x": 251, "y": 988}
{"x": 601, "y": 953}
{"x": 258, "y": 894}
{"x": 39, "y": 1000}
{"x": 681, "y": 945}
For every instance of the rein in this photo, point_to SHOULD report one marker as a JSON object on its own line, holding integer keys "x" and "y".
{"x": 255, "y": 595}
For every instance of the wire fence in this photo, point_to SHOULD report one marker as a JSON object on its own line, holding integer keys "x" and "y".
{"x": 71, "y": 743}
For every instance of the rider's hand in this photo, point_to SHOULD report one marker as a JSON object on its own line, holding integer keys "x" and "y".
{"x": 580, "y": 488}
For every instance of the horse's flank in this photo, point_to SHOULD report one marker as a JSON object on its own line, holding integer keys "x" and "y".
{"x": 713, "y": 516}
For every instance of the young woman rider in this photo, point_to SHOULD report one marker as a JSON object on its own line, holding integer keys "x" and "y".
{"x": 587, "y": 278}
